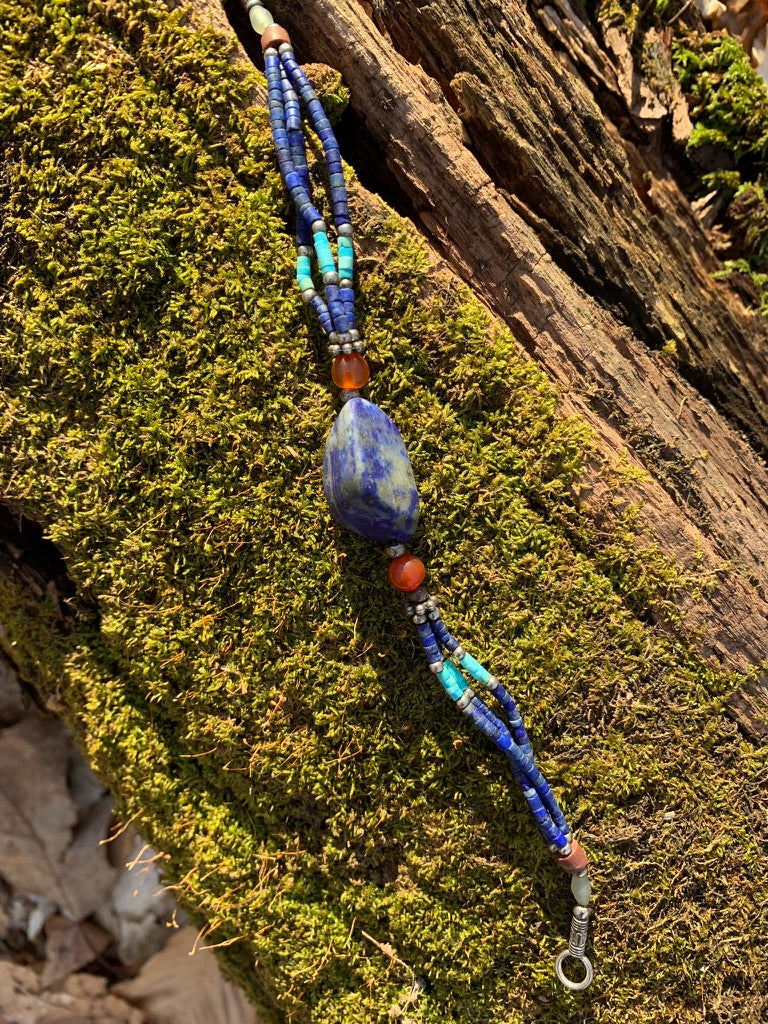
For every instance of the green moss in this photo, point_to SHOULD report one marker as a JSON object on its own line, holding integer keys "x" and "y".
{"x": 730, "y": 109}
{"x": 252, "y": 690}
{"x": 729, "y": 105}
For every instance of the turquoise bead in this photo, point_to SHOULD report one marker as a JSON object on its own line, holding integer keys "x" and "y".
{"x": 475, "y": 669}
{"x": 324, "y": 254}
{"x": 367, "y": 475}
{"x": 452, "y": 680}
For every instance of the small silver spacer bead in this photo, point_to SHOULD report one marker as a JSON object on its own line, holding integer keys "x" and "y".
{"x": 433, "y": 615}
{"x": 436, "y": 666}
{"x": 308, "y": 294}
{"x": 459, "y": 653}
{"x": 354, "y": 334}
{"x": 431, "y": 604}
{"x": 334, "y": 338}
{"x": 345, "y": 282}
{"x": 465, "y": 699}
{"x": 305, "y": 250}
{"x": 319, "y": 225}
{"x": 345, "y": 229}
{"x": 286, "y": 48}
{"x": 331, "y": 277}
{"x": 270, "y": 52}
{"x": 420, "y": 609}
{"x": 418, "y": 619}
{"x": 411, "y": 610}
{"x": 358, "y": 346}
{"x": 346, "y": 395}
{"x": 395, "y": 550}
{"x": 492, "y": 683}
{"x": 347, "y": 349}
{"x": 334, "y": 350}
{"x": 344, "y": 337}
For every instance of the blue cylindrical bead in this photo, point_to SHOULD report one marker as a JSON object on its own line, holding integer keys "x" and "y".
{"x": 443, "y": 636}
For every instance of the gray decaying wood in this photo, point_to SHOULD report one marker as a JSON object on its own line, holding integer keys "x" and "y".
{"x": 579, "y": 238}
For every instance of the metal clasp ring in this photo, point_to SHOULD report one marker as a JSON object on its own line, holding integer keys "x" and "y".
{"x": 574, "y": 986}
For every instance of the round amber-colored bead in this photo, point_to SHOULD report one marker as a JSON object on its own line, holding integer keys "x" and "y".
{"x": 350, "y": 372}
{"x": 406, "y": 573}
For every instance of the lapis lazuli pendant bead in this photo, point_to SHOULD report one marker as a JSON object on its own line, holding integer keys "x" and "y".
{"x": 367, "y": 475}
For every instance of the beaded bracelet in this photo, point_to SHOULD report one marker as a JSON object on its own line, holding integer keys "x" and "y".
{"x": 367, "y": 475}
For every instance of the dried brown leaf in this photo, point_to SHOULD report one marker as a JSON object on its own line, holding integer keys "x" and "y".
{"x": 173, "y": 987}
{"x": 86, "y": 876}
{"x": 36, "y": 813}
{"x": 41, "y": 851}
{"x": 71, "y": 945}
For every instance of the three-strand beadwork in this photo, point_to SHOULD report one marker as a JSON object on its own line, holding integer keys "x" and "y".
{"x": 367, "y": 475}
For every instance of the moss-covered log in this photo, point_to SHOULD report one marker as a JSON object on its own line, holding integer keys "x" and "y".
{"x": 233, "y": 664}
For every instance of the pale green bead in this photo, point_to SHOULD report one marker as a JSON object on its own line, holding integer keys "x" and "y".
{"x": 581, "y": 890}
{"x": 261, "y": 19}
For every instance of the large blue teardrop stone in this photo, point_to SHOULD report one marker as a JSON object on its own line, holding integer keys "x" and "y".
{"x": 367, "y": 475}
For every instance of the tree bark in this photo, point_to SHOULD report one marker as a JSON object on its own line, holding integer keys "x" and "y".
{"x": 573, "y": 230}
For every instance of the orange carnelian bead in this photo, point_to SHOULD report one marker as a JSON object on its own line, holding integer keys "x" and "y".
{"x": 406, "y": 573}
{"x": 350, "y": 372}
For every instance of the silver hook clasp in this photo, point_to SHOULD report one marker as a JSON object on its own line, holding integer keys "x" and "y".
{"x": 576, "y": 950}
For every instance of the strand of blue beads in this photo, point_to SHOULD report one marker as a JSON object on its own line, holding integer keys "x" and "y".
{"x": 338, "y": 307}
{"x": 282, "y": 115}
{"x": 283, "y": 73}
{"x": 433, "y": 634}
{"x": 494, "y": 729}
{"x": 342, "y": 314}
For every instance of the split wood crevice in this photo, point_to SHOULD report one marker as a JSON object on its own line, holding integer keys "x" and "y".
{"x": 573, "y": 232}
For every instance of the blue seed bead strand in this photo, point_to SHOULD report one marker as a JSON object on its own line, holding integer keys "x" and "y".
{"x": 291, "y": 156}
{"x": 291, "y": 176}
{"x": 340, "y": 299}
{"x": 484, "y": 677}
{"x": 492, "y": 727}
{"x": 298, "y": 151}
{"x": 325, "y": 133}
{"x": 441, "y": 632}
{"x": 512, "y": 712}
{"x": 538, "y": 795}
{"x": 513, "y": 740}
{"x": 429, "y": 642}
